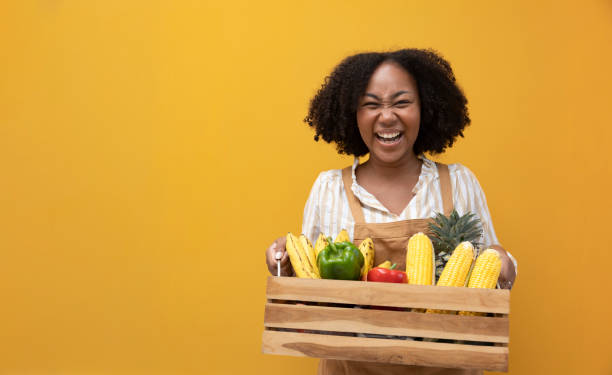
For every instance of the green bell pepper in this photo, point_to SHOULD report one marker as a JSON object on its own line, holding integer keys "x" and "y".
{"x": 340, "y": 260}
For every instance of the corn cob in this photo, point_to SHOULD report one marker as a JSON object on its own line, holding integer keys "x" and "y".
{"x": 485, "y": 274}
{"x": 299, "y": 261}
{"x": 420, "y": 260}
{"x": 320, "y": 244}
{"x": 342, "y": 236}
{"x": 456, "y": 270}
{"x": 367, "y": 249}
{"x": 310, "y": 254}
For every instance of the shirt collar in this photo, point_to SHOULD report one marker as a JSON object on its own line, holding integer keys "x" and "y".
{"x": 428, "y": 171}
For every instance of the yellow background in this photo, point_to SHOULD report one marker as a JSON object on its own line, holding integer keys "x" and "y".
{"x": 151, "y": 150}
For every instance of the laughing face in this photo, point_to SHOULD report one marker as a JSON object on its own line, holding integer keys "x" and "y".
{"x": 388, "y": 115}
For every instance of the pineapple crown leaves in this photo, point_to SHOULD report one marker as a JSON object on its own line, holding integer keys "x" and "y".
{"x": 448, "y": 232}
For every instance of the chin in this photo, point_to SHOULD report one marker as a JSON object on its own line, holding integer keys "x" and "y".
{"x": 390, "y": 157}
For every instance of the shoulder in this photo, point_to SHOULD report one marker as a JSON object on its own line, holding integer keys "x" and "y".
{"x": 457, "y": 172}
{"x": 328, "y": 179}
{"x": 464, "y": 181}
{"x": 460, "y": 171}
{"x": 330, "y": 176}
{"x": 327, "y": 182}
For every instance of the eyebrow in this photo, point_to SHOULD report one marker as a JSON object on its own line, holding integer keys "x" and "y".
{"x": 402, "y": 92}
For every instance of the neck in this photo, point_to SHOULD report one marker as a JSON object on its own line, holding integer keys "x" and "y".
{"x": 409, "y": 165}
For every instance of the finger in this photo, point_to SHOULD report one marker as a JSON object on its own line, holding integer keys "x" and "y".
{"x": 271, "y": 250}
{"x": 281, "y": 243}
{"x": 280, "y": 256}
{"x": 504, "y": 283}
{"x": 288, "y": 270}
{"x": 507, "y": 283}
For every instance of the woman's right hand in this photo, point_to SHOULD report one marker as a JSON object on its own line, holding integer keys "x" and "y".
{"x": 278, "y": 246}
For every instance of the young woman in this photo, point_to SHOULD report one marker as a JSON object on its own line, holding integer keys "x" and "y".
{"x": 396, "y": 106}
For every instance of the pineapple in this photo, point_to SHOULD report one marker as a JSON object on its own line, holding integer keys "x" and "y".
{"x": 448, "y": 232}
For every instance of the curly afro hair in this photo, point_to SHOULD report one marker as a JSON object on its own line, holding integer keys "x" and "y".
{"x": 444, "y": 114}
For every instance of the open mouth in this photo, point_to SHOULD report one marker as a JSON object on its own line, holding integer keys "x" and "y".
{"x": 389, "y": 137}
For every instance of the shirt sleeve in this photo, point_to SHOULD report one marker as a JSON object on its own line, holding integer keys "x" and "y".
{"x": 469, "y": 197}
{"x": 312, "y": 218}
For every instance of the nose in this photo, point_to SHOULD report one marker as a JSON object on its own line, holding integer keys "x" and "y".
{"x": 386, "y": 114}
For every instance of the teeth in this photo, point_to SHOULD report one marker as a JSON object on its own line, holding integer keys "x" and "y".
{"x": 388, "y": 135}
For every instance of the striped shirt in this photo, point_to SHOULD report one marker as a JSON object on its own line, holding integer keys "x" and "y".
{"x": 327, "y": 209}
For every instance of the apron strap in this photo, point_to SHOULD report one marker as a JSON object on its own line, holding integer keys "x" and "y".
{"x": 446, "y": 189}
{"x": 354, "y": 204}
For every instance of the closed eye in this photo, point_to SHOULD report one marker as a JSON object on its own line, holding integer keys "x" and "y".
{"x": 402, "y": 103}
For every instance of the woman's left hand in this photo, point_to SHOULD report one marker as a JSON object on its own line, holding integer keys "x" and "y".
{"x": 508, "y": 272}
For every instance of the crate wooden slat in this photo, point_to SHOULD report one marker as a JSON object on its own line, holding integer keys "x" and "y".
{"x": 398, "y": 323}
{"x": 492, "y": 358}
{"x": 318, "y": 318}
{"x": 388, "y": 294}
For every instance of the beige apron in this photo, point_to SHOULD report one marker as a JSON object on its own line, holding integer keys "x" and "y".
{"x": 390, "y": 240}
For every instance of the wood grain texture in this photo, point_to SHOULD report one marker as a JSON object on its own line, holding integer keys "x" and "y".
{"x": 492, "y": 358}
{"x": 389, "y": 294}
{"x": 399, "y": 323}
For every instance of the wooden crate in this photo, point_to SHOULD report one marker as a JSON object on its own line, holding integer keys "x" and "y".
{"x": 333, "y": 319}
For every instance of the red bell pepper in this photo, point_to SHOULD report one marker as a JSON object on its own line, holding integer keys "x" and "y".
{"x": 387, "y": 275}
